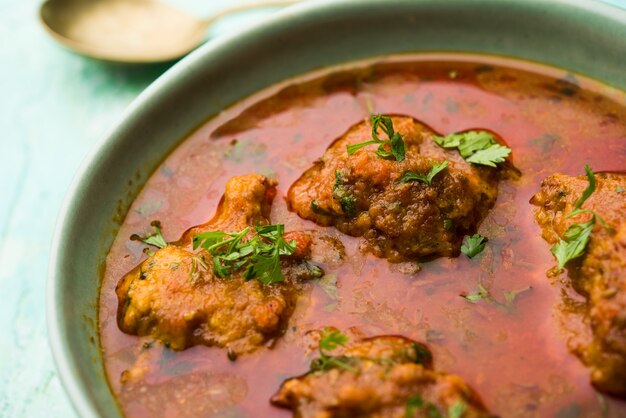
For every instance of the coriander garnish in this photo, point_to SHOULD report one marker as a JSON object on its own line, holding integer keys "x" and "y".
{"x": 573, "y": 243}
{"x": 392, "y": 147}
{"x": 478, "y": 147}
{"x": 341, "y": 192}
{"x": 482, "y": 293}
{"x": 511, "y": 295}
{"x": 329, "y": 340}
{"x": 576, "y": 237}
{"x": 348, "y": 205}
{"x": 155, "y": 239}
{"x": 415, "y": 403}
{"x": 424, "y": 178}
{"x": 474, "y": 245}
{"x": 457, "y": 409}
{"x": 259, "y": 257}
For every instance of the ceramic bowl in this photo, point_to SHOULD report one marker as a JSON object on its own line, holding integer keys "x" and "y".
{"x": 583, "y": 36}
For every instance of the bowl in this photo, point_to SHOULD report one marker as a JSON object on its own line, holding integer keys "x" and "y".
{"x": 583, "y": 36}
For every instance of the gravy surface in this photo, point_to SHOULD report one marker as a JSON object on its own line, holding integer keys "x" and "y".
{"x": 514, "y": 355}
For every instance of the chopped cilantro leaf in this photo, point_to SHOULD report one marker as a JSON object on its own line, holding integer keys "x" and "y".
{"x": 474, "y": 245}
{"x": 457, "y": 409}
{"x": 449, "y": 141}
{"x": 341, "y": 193}
{"x": 511, "y": 295}
{"x": 474, "y": 141}
{"x": 155, "y": 239}
{"x": 491, "y": 156}
{"x": 259, "y": 257}
{"x": 316, "y": 208}
{"x": 348, "y": 205}
{"x": 591, "y": 187}
{"x": 574, "y": 242}
{"x": 394, "y": 146}
{"x": 427, "y": 178}
{"x": 483, "y": 294}
{"x": 477, "y": 147}
{"x": 329, "y": 340}
{"x": 576, "y": 237}
{"x": 415, "y": 403}
{"x": 480, "y": 294}
{"x": 398, "y": 148}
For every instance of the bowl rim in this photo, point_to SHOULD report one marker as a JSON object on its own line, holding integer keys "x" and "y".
{"x": 71, "y": 379}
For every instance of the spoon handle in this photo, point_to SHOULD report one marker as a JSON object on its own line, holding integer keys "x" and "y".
{"x": 244, "y": 7}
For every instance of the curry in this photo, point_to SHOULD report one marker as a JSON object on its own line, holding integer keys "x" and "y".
{"x": 404, "y": 237}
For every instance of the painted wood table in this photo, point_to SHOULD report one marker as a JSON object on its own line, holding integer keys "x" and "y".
{"x": 54, "y": 105}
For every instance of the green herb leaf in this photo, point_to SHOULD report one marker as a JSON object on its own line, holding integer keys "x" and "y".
{"x": 574, "y": 243}
{"x": 341, "y": 192}
{"x": 483, "y": 294}
{"x": 208, "y": 239}
{"x": 474, "y": 245}
{"x": 412, "y": 176}
{"x": 259, "y": 257}
{"x": 355, "y": 147}
{"x": 449, "y": 141}
{"x": 457, "y": 409}
{"x": 413, "y": 404}
{"x": 331, "y": 339}
{"x": 155, "y": 239}
{"x": 475, "y": 141}
{"x": 474, "y": 297}
{"x": 591, "y": 187}
{"x": 416, "y": 403}
{"x": 428, "y": 178}
{"x": 490, "y": 156}
{"x": 326, "y": 362}
{"x": 477, "y": 147}
{"x": 348, "y": 205}
{"x": 620, "y": 189}
{"x": 480, "y": 294}
{"x": 338, "y": 187}
{"x": 511, "y": 295}
{"x": 432, "y": 411}
{"x": 392, "y": 147}
{"x": 576, "y": 237}
{"x": 398, "y": 148}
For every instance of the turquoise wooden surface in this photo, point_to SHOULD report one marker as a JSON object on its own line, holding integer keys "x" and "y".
{"x": 54, "y": 105}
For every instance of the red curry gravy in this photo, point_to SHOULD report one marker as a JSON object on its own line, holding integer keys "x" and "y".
{"x": 515, "y": 355}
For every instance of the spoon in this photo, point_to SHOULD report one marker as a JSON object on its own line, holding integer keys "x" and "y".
{"x": 130, "y": 31}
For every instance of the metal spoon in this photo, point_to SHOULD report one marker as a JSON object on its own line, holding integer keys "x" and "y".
{"x": 132, "y": 31}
